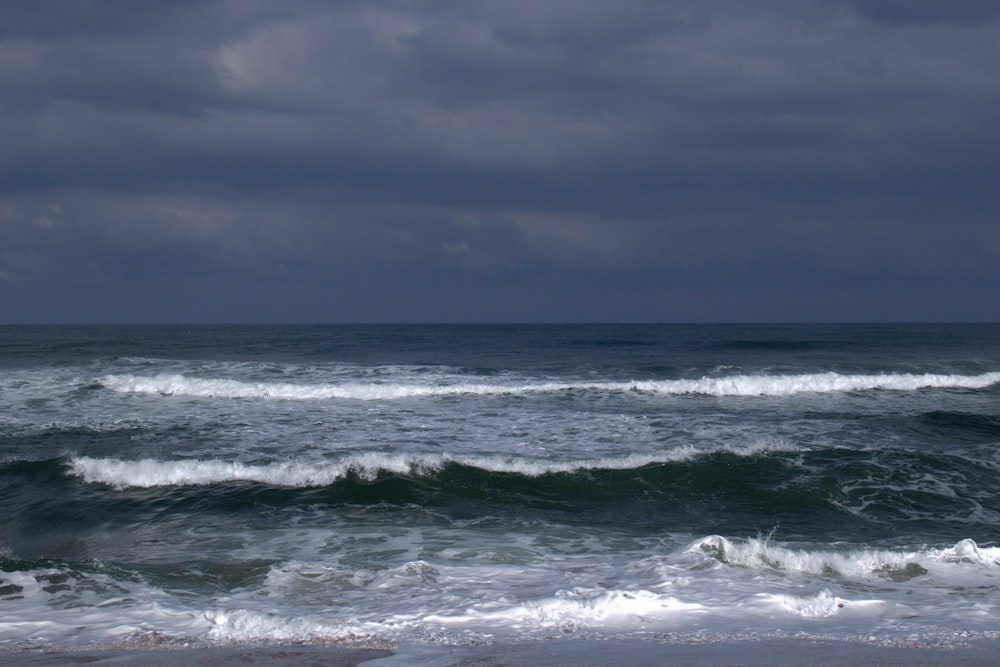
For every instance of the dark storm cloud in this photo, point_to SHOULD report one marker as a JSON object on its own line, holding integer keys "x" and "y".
{"x": 925, "y": 11}
{"x": 483, "y": 160}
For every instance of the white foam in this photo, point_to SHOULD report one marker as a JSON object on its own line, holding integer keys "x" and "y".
{"x": 579, "y": 608}
{"x": 737, "y": 385}
{"x": 785, "y": 385}
{"x": 967, "y": 551}
{"x": 825, "y": 604}
{"x": 819, "y": 605}
{"x": 147, "y": 473}
{"x": 246, "y": 625}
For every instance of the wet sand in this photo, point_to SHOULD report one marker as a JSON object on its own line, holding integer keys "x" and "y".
{"x": 272, "y": 656}
{"x": 783, "y": 652}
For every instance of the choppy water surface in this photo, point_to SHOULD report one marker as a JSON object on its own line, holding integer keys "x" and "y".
{"x": 447, "y": 485}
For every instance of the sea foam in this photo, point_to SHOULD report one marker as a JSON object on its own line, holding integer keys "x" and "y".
{"x": 580, "y": 607}
{"x": 246, "y": 625}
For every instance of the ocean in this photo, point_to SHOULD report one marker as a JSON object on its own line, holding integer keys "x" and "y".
{"x": 429, "y": 487}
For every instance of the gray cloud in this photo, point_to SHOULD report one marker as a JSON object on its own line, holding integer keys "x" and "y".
{"x": 578, "y": 160}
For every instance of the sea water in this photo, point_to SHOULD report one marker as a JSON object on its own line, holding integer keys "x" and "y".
{"x": 440, "y": 486}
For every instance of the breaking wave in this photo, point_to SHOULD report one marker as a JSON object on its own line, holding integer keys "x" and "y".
{"x": 148, "y": 473}
{"x": 851, "y": 563}
{"x": 736, "y": 385}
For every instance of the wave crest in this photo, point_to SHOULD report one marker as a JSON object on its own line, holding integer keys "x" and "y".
{"x": 736, "y": 385}
{"x": 148, "y": 473}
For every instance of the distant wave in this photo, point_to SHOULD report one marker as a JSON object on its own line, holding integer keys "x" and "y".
{"x": 736, "y": 385}
{"x": 148, "y": 473}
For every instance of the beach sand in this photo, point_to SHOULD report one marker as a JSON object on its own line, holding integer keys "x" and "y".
{"x": 782, "y": 652}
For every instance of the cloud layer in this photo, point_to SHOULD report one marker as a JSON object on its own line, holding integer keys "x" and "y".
{"x": 401, "y": 161}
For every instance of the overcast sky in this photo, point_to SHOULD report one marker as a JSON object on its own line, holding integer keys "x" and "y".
{"x": 499, "y": 160}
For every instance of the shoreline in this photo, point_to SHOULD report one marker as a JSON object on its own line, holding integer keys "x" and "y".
{"x": 555, "y": 653}
{"x": 276, "y": 656}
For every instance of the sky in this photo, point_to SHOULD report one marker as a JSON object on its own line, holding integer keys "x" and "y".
{"x": 487, "y": 161}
